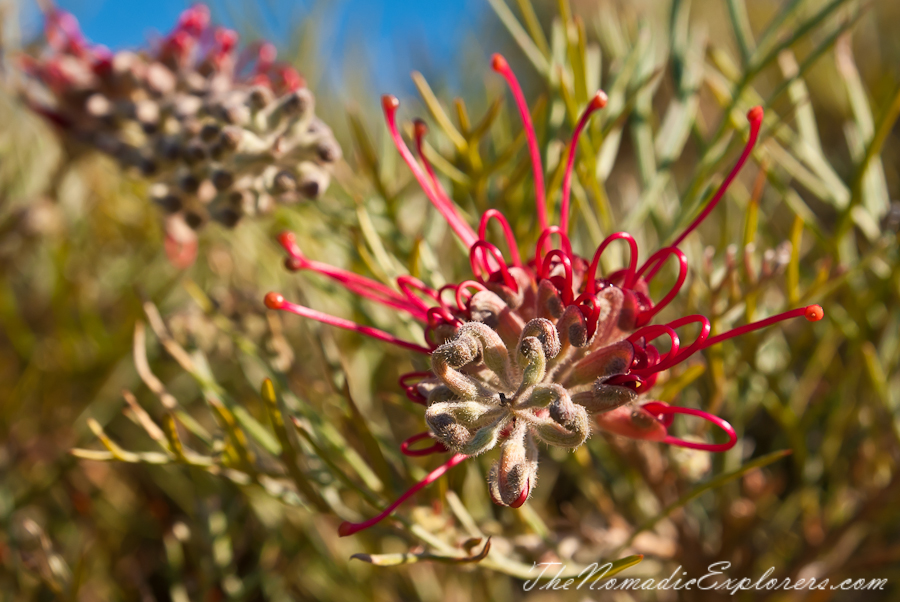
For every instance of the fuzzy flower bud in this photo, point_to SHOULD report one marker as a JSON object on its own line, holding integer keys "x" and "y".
{"x": 512, "y": 478}
{"x": 206, "y": 124}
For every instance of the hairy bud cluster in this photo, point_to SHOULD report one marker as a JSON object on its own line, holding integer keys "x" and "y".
{"x": 526, "y": 371}
{"x": 220, "y": 135}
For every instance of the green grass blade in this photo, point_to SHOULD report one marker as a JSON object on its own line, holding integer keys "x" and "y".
{"x": 708, "y": 486}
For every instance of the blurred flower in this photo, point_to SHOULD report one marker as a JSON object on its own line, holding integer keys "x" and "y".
{"x": 531, "y": 350}
{"x": 220, "y": 133}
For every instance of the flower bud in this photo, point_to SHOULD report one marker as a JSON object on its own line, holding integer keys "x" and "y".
{"x": 602, "y": 363}
{"x": 532, "y": 360}
{"x": 283, "y": 182}
{"x": 313, "y": 180}
{"x": 572, "y": 328}
{"x": 545, "y": 332}
{"x": 550, "y": 304}
{"x": 466, "y": 427}
{"x": 448, "y": 358}
{"x": 566, "y": 424}
{"x": 222, "y": 179}
{"x": 609, "y": 309}
{"x": 604, "y": 398}
{"x": 633, "y": 422}
{"x": 513, "y": 477}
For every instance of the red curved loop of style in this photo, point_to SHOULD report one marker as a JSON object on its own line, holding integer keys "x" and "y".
{"x": 661, "y": 410}
{"x": 480, "y": 270}
{"x": 630, "y": 272}
{"x": 437, "y": 448}
{"x": 657, "y": 259}
{"x": 547, "y": 268}
{"x": 462, "y": 288}
{"x": 542, "y": 240}
{"x": 507, "y": 233}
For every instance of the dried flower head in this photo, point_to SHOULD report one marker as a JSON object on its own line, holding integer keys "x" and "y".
{"x": 220, "y": 133}
{"x": 535, "y": 351}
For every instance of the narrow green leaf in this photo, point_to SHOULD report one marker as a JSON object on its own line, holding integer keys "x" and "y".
{"x": 411, "y": 558}
{"x": 751, "y": 217}
{"x": 335, "y": 470}
{"x": 704, "y": 487}
{"x": 368, "y": 156}
{"x": 484, "y": 124}
{"x": 120, "y": 455}
{"x": 872, "y": 186}
{"x": 882, "y": 129}
{"x": 763, "y": 56}
{"x": 597, "y": 571}
{"x": 786, "y": 14}
{"x": 880, "y": 382}
{"x": 236, "y": 437}
{"x": 117, "y": 452}
{"x": 793, "y": 269}
{"x": 174, "y": 440}
{"x": 743, "y": 33}
{"x": 534, "y": 26}
{"x": 521, "y": 37}
{"x": 682, "y": 112}
{"x": 807, "y": 145}
{"x": 289, "y": 455}
{"x": 462, "y": 117}
{"x": 437, "y": 112}
{"x": 577, "y": 51}
{"x": 360, "y": 424}
{"x": 145, "y": 421}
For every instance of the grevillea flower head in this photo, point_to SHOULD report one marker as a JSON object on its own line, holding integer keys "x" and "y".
{"x": 221, "y": 132}
{"x": 534, "y": 352}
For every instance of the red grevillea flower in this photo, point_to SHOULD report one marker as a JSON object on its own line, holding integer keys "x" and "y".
{"x": 530, "y": 352}
{"x": 221, "y": 132}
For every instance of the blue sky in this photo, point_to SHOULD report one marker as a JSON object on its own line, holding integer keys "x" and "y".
{"x": 395, "y": 36}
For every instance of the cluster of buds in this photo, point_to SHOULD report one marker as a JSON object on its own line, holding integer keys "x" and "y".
{"x": 537, "y": 351}
{"x": 511, "y": 399}
{"x": 220, "y": 133}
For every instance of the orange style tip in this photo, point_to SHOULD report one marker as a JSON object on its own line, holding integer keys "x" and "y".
{"x": 498, "y": 63}
{"x": 274, "y": 301}
{"x": 755, "y": 114}
{"x": 599, "y": 100}
{"x": 390, "y": 103}
{"x": 346, "y": 529}
{"x": 814, "y": 313}
{"x": 420, "y": 128}
{"x": 286, "y": 238}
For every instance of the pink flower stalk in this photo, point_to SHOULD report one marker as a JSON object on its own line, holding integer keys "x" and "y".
{"x": 538, "y": 351}
{"x": 220, "y": 132}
